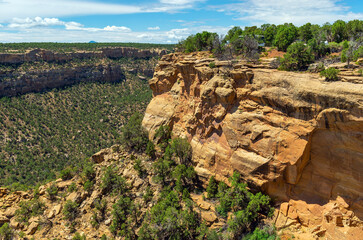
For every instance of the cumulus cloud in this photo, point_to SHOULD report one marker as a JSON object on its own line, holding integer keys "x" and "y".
{"x": 295, "y": 11}
{"x": 34, "y": 22}
{"x": 153, "y": 28}
{"x": 59, "y": 8}
{"x": 38, "y": 22}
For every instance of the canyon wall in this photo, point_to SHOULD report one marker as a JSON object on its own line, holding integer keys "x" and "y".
{"x": 292, "y": 135}
{"x": 50, "y": 56}
{"x": 68, "y": 68}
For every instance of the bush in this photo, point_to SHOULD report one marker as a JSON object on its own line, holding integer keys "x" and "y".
{"x": 66, "y": 173}
{"x": 111, "y": 182}
{"x": 70, "y": 210}
{"x": 330, "y": 74}
{"x": 139, "y": 168}
{"x": 150, "y": 150}
{"x": 181, "y": 148}
{"x": 6, "y": 233}
{"x": 162, "y": 136}
{"x": 52, "y": 191}
{"x": 298, "y": 57}
{"x": 184, "y": 177}
{"x": 212, "y": 65}
{"x": 29, "y": 209}
{"x": 133, "y": 135}
{"x": 72, "y": 187}
{"x": 123, "y": 217}
{"x": 262, "y": 234}
{"x": 78, "y": 236}
{"x": 169, "y": 220}
{"x": 88, "y": 171}
{"x": 212, "y": 188}
{"x": 148, "y": 195}
{"x": 88, "y": 186}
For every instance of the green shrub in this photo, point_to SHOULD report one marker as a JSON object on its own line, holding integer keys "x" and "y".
{"x": 72, "y": 187}
{"x": 52, "y": 191}
{"x": 162, "y": 136}
{"x": 169, "y": 220}
{"x": 330, "y": 74}
{"x": 139, "y": 168}
{"x": 162, "y": 169}
{"x": 212, "y": 188}
{"x": 111, "y": 182}
{"x": 67, "y": 173}
{"x": 263, "y": 234}
{"x": 133, "y": 135}
{"x": 148, "y": 195}
{"x": 78, "y": 236}
{"x": 88, "y": 186}
{"x": 298, "y": 57}
{"x": 6, "y": 233}
{"x": 123, "y": 218}
{"x": 212, "y": 65}
{"x": 88, "y": 171}
{"x": 184, "y": 177}
{"x": 29, "y": 209}
{"x": 150, "y": 150}
{"x": 181, "y": 148}
{"x": 70, "y": 210}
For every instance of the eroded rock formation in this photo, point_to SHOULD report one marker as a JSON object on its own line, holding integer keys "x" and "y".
{"x": 48, "y": 69}
{"x": 292, "y": 135}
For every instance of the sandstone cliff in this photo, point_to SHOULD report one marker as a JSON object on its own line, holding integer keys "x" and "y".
{"x": 292, "y": 135}
{"x": 23, "y": 73}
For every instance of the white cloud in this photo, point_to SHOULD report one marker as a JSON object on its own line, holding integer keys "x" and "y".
{"x": 153, "y": 28}
{"x": 295, "y": 11}
{"x": 115, "y": 28}
{"x": 38, "y": 22}
{"x": 180, "y": 2}
{"x": 34, "y": 22}
{"x": 59, "y": 8}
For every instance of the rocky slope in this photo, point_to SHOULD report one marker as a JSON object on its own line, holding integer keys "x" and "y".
{"x": 292, "y": 135}
{"x": 51, "y": 223}
{"x": 39, "y": 69}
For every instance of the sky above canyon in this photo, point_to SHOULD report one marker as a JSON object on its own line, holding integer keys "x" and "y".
{"x": 157, "y": 21}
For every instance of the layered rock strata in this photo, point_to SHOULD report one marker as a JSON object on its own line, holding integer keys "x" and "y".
{"x": 69, "y": 68}
{"x": 291, "y": 135}
{"x": 50, "y": 56}
{"x": 36, "y": 81}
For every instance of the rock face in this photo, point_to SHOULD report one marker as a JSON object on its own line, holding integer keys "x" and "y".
{"x": 13, "y": 82}
{"x": 291, "y": 135}
{"x": 35, "y": 81}
{"x": 49, "y": 56}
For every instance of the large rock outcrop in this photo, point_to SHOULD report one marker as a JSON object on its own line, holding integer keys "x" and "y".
{"x": 291, "y": 135}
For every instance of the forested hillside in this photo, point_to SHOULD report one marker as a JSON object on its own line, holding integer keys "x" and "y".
{"x": 41, "y": 133}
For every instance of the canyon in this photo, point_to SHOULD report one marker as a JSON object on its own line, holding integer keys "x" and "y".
{"x": 93, "y": 66}
{"x": 291, "y": 135}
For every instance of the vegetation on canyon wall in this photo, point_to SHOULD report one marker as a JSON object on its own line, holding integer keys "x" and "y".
{"x": 73, "y": 47}
{"x": 41, "y": 133}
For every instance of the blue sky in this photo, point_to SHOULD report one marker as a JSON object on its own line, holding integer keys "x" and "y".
{"x": 156, "y": 21}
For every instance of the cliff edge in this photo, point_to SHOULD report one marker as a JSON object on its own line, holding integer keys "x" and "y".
{"x": 292, "y": 135}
